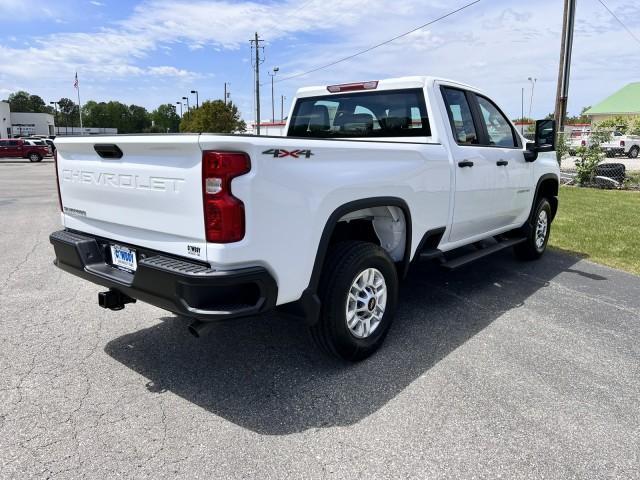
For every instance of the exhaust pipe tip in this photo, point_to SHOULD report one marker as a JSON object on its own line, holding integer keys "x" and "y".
{"x": 200, "y": 329}
{"x": 193, "y": 330}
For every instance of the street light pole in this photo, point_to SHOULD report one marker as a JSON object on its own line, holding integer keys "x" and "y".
{"x": 533, "y": 86}
{"x": 282, "y": 98}
{"x": 187, "y": 99}
{"x": 273, "y": 108}
{"x": 197, "y": 99}
{"x": 180, "y": 103}
{"x": 522, "y": 112}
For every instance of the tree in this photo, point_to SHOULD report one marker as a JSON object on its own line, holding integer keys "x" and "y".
{"x": 22, "y": 101}
{"x": 215, "y": 117}
{"x": 68, "y": 116}
{"x": 165, "y": 118}
{"x": 114, "y": 114}
{"x": 582, "y": 118}
{"x": 138, "y": 119}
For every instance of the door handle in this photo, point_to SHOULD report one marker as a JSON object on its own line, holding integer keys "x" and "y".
{"x": 502, "y": 163}
{"x": 465, "y": 163}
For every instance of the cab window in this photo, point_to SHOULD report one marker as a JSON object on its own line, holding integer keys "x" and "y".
{"x": 499, "y": 131}
{"x": 460, "y": 117}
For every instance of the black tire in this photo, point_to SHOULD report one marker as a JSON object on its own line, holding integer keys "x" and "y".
{"x": 35, "y": 157}
{"x": 529, "y": 249}
{"x": 633, "y": 152}
{"x": 345, "y": 262}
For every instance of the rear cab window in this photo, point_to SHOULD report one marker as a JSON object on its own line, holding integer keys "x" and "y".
{"x": 374, "y": 114}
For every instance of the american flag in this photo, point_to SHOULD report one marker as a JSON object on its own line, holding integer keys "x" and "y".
{"x": 75, "y": 83}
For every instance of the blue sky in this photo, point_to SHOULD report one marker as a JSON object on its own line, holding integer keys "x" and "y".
{"x": 156, "y": 51}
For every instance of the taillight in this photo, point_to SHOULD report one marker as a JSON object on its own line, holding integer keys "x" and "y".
{"x": 223, "y": 213}
{"x": 55, "y": 165}
{"x": 622, "y": 143}
{"x": 352, "y": 87}
{"x": 583, "y": 143}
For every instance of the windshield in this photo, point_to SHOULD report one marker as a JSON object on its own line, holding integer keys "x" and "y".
{"x": 398, "y": 113}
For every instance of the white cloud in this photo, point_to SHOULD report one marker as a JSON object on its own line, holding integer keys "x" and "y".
{"x": 96, "y": 3}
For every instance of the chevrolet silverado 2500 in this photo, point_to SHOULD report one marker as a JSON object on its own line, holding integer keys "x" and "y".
{"x": 322, "y": 223}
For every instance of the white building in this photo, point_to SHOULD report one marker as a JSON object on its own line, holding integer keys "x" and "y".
{"x": 24, "y": 124}
{"x": 275, "y": 129}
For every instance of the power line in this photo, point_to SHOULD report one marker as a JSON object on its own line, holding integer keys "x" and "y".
{"x": 620, "y": 21}
{"x": 344, "y": 59}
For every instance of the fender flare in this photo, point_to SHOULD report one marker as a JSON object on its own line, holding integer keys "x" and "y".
{"x": 308, "y": 306}
{"x": 546, "y": 176}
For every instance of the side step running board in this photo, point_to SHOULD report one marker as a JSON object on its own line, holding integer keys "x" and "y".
{"x": 483, "y": 252}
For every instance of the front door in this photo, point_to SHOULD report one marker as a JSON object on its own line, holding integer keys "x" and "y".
{"x": 505, "y": 149}
{"x": 480, "y": 185}
{"x": 13, "y": 148}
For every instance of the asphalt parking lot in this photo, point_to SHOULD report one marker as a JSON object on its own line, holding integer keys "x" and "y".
{"x": 500, "y": 370}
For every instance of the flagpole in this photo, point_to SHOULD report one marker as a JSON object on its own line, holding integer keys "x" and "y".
{"x": 79, "y": 104}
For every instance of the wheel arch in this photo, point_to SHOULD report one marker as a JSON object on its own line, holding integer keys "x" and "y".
{"x": 308, "y": 306}
{"x": 548, "y": 186}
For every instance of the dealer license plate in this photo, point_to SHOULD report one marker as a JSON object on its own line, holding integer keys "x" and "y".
{"x": 124, "y": 258}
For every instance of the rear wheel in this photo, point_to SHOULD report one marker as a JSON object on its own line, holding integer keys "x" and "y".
{"x": 359, "y": 291}
{"x": 35, "y": 157}
{"x": 633, "y": 152}
{"x": 537, "y": 234}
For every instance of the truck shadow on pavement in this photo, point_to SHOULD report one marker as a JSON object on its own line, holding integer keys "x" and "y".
{"x": 264, "y": 374}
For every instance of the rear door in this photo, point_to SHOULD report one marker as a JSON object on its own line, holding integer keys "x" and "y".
{"x": 151, "y": 196}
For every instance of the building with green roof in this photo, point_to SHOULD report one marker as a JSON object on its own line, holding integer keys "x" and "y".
{"x": 624, "y": 102}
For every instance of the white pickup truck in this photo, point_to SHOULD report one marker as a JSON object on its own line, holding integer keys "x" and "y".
{"x": 322, "y": 223}
{"x": 621, "y": 144}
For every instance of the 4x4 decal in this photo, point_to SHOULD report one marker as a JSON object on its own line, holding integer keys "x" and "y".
{"x": 281, "y": 153}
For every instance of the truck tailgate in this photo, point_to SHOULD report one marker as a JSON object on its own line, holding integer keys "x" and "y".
{"x": 151, "y": 196}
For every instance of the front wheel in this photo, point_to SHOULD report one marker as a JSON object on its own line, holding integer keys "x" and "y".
{"x": 537, "y": 234}
{"x": 35, "y": 157}
{"x": 359, "y": 294}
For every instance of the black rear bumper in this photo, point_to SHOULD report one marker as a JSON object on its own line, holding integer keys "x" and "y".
{"x": 180, "y": 286}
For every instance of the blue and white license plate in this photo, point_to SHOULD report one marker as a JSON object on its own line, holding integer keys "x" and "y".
{"x": 124, "y": 258}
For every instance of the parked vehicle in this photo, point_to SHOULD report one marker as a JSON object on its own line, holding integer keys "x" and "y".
{"x": 579, "y": 139}
{"x": 40, "y": 142}
{"x": 19, "y": 148}
{"x": 322, "y": 223}
{"x": 621, "y": 144}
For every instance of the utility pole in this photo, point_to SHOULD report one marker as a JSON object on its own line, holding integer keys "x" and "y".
{"x": 564, "y": 69}
{"x": 255, "y": 43}
{"x": 282, "y": 97}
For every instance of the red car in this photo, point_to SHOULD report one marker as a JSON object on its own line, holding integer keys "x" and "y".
{"x": 19, "y": 148}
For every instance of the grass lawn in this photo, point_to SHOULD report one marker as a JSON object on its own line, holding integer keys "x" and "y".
{"x": 601, "y": 225}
